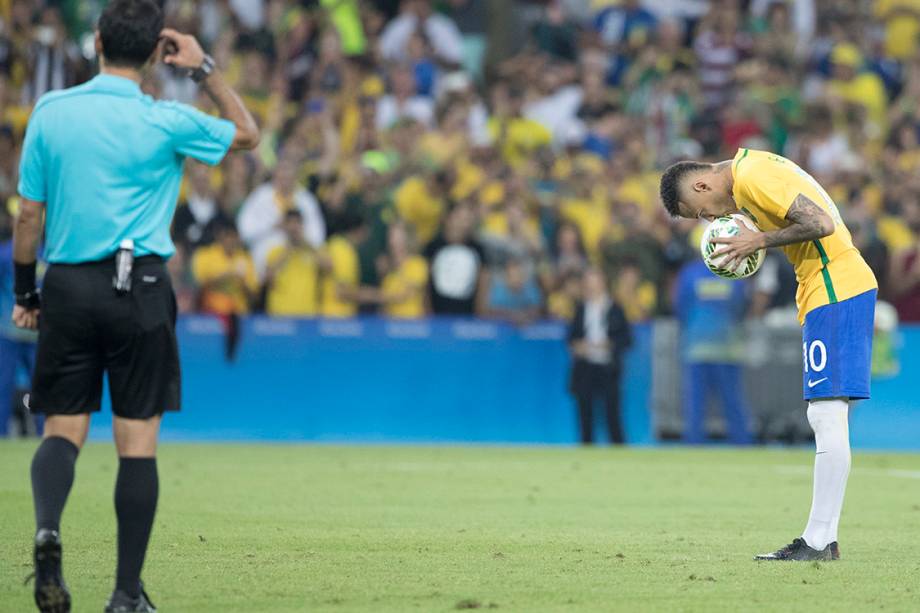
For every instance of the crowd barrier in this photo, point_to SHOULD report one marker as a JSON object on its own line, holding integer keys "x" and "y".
{"x": 372, "y": 380}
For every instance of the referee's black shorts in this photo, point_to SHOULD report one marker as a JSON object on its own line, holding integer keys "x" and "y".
{"x": 87, "y": 329}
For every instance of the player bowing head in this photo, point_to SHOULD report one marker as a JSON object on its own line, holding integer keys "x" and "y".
{"x": 835, "y": 298}
{"x": 696, "y": 190}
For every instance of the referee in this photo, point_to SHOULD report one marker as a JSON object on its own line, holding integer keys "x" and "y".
{"x": 102, "y": 163}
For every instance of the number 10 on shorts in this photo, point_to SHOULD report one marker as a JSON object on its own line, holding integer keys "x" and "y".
{"x": 814, "y": 355}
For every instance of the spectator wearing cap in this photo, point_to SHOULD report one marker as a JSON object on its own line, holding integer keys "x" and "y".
{"x": 598, "y": 337}
{"x": 292, "y": 273}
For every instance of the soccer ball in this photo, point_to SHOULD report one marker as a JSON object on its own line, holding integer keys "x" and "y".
{"x": 723, "y": 227}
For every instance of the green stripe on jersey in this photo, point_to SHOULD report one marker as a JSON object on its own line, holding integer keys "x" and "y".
{"x": 828, "y": 283}
{"x": 744, "y": 155}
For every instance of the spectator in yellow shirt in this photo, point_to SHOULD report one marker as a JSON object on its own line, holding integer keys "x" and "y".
{"x": 341, "y": 288}
{"x": 292, "y": 273}
{"x": 902, "y": 26}
{"x": 404, "y": 285}
{"x": 635, "y": 294}
{"x": 516, "y": 136}
{"x": 226, "y": 274}
{"x": 561, "y": 302}
{"x": 850, "y": 84}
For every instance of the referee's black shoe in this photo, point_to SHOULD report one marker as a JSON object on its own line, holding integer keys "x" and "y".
{"x": 51, "y": 594}
{"x": 799, "y": 551}
{"x": 120, "y": 602}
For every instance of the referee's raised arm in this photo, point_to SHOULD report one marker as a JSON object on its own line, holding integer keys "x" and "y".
{"x": 183, "y": 51}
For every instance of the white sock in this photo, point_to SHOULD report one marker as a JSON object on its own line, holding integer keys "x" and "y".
{"x": 829, "y": 420}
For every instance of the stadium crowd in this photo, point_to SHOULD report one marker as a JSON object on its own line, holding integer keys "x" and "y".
{"x": 475, "y": 157}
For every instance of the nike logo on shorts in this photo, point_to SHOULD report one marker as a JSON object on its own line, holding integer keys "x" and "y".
{"x": 811, "y": 383}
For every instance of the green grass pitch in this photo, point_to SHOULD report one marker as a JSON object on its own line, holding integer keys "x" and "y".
{"x": 316, "y": 528}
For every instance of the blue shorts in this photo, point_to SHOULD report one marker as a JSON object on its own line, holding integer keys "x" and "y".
{"x": 837, "y": 348}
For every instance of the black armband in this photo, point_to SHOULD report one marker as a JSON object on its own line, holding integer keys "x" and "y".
{"x": 24, "y": 285}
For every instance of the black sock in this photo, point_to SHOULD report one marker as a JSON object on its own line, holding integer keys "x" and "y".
{"x": 52, "y": 478}
{"x": 136, "y": 494}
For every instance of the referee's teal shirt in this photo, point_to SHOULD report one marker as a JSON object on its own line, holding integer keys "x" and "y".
{"x": 107, "y": 160}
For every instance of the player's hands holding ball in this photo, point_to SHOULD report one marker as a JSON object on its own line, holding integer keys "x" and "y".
{"x": 181, "y": 50}
{"x": 738, "y": 247}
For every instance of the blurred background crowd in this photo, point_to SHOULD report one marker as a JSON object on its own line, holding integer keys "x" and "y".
{"x": 474, "y": 157}
{"x": 479, "y": 157}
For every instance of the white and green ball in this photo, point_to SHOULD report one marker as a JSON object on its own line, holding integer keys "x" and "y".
{"x": 724, "y": 227}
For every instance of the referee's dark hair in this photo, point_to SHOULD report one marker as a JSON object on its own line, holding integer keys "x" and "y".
{"x": 671, "y": 183}
{"x": 130, "y": 31}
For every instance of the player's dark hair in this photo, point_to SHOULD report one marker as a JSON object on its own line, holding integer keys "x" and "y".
{"x": 293, "y": 214}
{"x": 671, "y": 182}
{"x": 130, "y": 31}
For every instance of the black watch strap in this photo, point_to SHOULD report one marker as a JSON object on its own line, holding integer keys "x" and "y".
{"x": 204, "y": 71}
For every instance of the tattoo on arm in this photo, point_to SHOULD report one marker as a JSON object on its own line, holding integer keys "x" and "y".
{"x": 809, "y": 222}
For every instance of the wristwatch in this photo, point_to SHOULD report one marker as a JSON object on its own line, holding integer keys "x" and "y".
{"x": 204, "y": 71}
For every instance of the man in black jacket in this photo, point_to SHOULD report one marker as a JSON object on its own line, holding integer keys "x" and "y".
{"x": 598, "y": 336}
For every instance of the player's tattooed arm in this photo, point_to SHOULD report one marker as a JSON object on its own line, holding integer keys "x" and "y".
{"x": 808, "y": 222}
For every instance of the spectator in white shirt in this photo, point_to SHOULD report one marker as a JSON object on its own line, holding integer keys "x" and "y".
{"x": 402, "y": 102}
{"x": 445, "y": 37}
{"x": 263, "y": 212}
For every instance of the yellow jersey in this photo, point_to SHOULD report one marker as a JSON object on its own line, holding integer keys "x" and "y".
{"x": 230, "y": 294}
{"x": 901, "y": 26}
{"x": 828, "y": 270}
{"x": 346, "y": 270}
{"x": 411, "y": 279}
{"x": 295, "y": 289}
